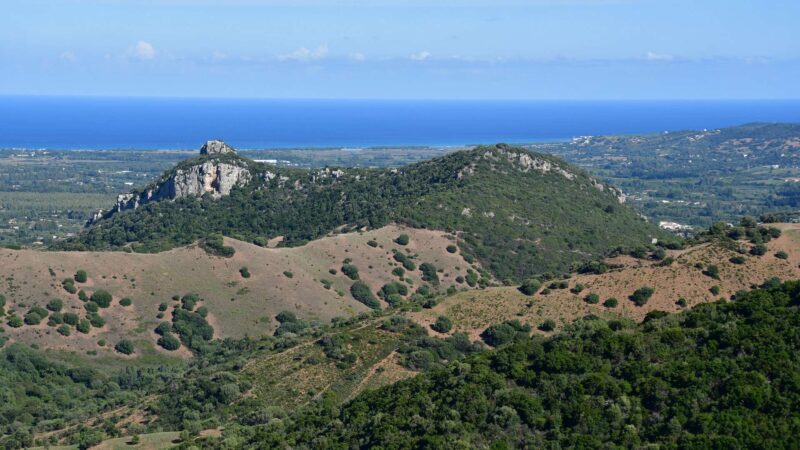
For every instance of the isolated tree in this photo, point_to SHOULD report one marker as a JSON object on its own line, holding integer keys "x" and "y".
{"x": 529, "y": 286}
{"x": 125, "y": 347}
{"x": 443, "y": 324}
{"x": 81, "y": 276}
{"x": 102, "y": 298}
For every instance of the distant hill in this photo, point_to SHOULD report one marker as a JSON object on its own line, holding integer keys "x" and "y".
{"x": 697, "y": 177}
{"x": 519, "y": 213}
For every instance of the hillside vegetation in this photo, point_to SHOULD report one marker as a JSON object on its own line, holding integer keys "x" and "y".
{"x": 318, "y": 290}
{"x": 722, "y": 375}
{"x": 518, "y": 213}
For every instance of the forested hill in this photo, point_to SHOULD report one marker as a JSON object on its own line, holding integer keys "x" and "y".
{"x": 723, "y": 375}
{"x": 518, "y": 212}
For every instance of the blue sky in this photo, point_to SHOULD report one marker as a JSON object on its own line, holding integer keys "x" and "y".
{"x": 467, "y": 49}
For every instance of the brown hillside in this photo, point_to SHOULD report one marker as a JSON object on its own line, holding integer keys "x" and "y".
{"x": 238, "y": 306}
{"x": 473, "y": 311}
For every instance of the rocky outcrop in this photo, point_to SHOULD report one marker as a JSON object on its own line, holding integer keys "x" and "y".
{"x": 216, "y": 148}
{"x": 211, "y": 175}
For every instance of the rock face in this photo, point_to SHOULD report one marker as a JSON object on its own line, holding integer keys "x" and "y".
{"x": 209, "y": 176}
{"x": 216, "y": 148}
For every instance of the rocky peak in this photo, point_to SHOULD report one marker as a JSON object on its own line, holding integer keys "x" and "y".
{"x": 215, "y": 147}
{"x": 193, "y": 178}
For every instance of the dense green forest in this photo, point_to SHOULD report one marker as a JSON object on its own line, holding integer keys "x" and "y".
{"x": 517, "y": 219}
{"x": 722, "y": 375}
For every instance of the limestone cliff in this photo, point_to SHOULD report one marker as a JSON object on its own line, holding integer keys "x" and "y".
{"x": 216, "y": 172}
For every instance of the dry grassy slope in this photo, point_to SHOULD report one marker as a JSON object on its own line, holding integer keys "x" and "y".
{"x": 237, "y": 306}
{"x": 300, "y": 374}
{"x": 473, "y": 311}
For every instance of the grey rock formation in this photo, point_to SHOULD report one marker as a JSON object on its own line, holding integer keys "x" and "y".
{"x": 216, "y": 148}
{"x": 210, "y": 176}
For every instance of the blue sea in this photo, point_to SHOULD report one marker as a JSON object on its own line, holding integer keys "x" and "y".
{"x": 152, "y": 123}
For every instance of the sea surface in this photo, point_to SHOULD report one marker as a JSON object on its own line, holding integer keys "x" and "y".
{"x": 161, "y": 123}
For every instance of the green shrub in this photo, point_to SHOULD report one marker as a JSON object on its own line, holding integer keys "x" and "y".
{"x": 758, "y": 250}
{"x": 163, "y": 328}
{"x": 472, "y": 278}
{"x": 286, "y": 317}
{"x": 84, "y": 326}
{"x": 642, "y": 295}
{"x": 350, "y": 271}
{"x": 611, "y": 303}
{"x": 15, "y": 321}
{"x": 245, "y": 272}
{"x": 451, "y": 248}
{"x": 71, "y": 319}
{"x": 738, "y": 259}
{"x": 443, "y": 324}
{"x": 260, "y": 241}
{"x": 32, "y": 318}
{"x": 189, "y": 301}
{"x": 288, "y": 274}
{"x": 592, "y": 299}
{"x": 361, "y": 292}
{"x": 429, "y": 273}
{"x": 712, "y": 271}
{"x": 91, "y": 307}
{"x": 577, "y": 289}
{"x": 714, "y": 290}
{"x": 681, "y": 302}
{"x": 163, "y": 307}
{"x": 96, "y": 320}
{"x": 192, "y": 329}
{"x": 169, "y": 342}
{"x": 504, "y": 333}
{"x": 102, "y": 298}
{"x": 394, "y": 299}
{"x": 398, "y": 272}
{"x": 547, "y": 325}
{"x": 125, "y": 301}
{"x": 54, "y": 319}
{"x": 55, "y": 305}
{"x": 81, "y": 276}
{"x": 372, "y": 243}
{"x": 530, "y": 286}
{"x": 214, "y": 245}
{"x": 69, "y": 285}
{"x": 125, "y": 347}
{"x": 393, "y": 288}
{"x": 64, "y": 330}
{"x": 782, "y": 255}
{"x": 403, "y": 239}
{"x": 405, "y": 260}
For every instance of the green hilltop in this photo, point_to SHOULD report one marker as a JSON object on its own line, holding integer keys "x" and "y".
{"x": 519, "y": 213}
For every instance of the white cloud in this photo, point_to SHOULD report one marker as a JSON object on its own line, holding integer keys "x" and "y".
{"x": 68, "y": 57}
{"x": 358, "y": 56}
{"x": 420, "y": 56}
{"x": 144, "y": 51}
{"x": 303, "y": 54}
{"x": 652, "y": 56}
